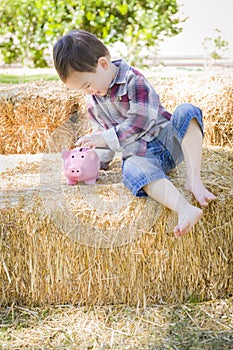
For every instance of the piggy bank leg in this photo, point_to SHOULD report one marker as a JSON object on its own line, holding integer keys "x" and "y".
{"x": 71, "y": 182}
{"x": 90, "y": 182}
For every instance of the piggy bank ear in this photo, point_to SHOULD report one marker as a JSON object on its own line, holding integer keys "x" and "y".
{"x": 64, "y": 154}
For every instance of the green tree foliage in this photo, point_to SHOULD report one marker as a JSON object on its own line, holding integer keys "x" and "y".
{"x": 215, "y": 46}
{"x": 28, "y": 28}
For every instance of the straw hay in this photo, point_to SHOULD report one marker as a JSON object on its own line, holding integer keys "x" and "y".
{"x": 63, "y": 244}
{"x": 34, "y": 117}
{"x": 199, "y": 326}
{"x": 34, "y": 114}
{"x": 41, "y": 263}
{"x": 213, "y": 94}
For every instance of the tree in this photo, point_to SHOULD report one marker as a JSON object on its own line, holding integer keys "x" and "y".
{"x": 215, "y": 46}
{"x": 29, "y": 27}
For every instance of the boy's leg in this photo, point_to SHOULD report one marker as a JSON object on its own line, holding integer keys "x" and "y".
{"x": 192, "y": 150}
{"x": 141, "y": 174}
{"x": 167, "y": 194}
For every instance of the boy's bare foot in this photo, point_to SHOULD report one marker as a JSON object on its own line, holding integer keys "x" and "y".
{"x": 202, "y": 195}
{"x": 186, "y": 220}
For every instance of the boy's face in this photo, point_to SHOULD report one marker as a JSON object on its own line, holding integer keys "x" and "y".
{"x": 93, "y": 83}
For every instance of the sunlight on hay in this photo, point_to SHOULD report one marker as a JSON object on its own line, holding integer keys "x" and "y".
{"x": 98, "y": 244}
{"x": 103, "y": 215}
{"x": 45, "y": 116}
{"x": 214, "y": 95}
{"x": 35, "y": 113}
{"x": 43, "y": 264}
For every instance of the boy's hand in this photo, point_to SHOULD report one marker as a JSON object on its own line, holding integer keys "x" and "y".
{"x": 91, "y": 141}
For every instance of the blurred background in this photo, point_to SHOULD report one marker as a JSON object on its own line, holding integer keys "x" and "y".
{"x": 151, "y": 34}
{"x": 207, "y": 30}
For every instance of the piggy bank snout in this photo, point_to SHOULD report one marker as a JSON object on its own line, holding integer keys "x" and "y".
{"x": 74, "y": 167}
{"x": 73, "y": 171}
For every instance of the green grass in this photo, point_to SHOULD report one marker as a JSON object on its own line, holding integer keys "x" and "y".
{"x": 18, "y": 79}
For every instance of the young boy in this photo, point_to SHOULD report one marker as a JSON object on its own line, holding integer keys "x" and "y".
{"x": 129, "y": 118}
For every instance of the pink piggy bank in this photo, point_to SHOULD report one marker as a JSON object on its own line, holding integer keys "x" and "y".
{"x": 81, "y": 164}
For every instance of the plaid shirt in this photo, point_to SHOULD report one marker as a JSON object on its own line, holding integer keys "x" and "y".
{"x": 130, "y": 114}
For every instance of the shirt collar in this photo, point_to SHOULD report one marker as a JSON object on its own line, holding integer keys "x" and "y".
{"x": 123, "y": 68}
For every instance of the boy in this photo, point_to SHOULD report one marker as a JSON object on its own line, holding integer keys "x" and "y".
{"x": 129, "y": 118}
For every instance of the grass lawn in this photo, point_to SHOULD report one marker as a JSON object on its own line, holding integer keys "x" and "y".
{"x": 19, "y": 79}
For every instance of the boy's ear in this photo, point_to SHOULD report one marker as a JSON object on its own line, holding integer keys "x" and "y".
{"x": 103, "y": 62}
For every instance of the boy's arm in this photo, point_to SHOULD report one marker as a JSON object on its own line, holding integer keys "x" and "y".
{"x": 96, "y": 140}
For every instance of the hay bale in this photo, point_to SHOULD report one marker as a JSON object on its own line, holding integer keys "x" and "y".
{"x": 213, "y": 94}
{"x": 35, "y": 115}
{"x": 44, "y": 262}
{"x": 99, "y": 216}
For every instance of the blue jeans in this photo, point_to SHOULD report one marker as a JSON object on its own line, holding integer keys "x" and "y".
{"x": 163, "y": 154}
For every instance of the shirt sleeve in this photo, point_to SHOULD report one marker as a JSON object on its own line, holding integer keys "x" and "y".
{"x": 141, "y": 119}
{"x": 97, "y": 124}
{"x": 105, "y": 154}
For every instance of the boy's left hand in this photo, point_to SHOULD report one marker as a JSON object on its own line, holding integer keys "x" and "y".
{"x": 91, "y": 141}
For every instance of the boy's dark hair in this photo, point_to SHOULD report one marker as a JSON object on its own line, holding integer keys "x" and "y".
{"x": 78, "y": 50}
